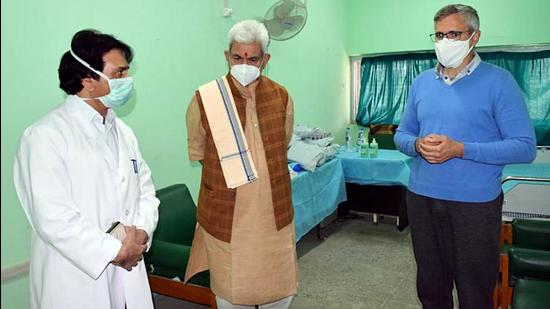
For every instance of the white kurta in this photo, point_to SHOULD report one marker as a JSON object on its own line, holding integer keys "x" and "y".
{"x": 73, "y": 185}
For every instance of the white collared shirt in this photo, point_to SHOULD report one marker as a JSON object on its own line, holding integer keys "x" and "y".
{"x": 105, "y": 129}
{"x": 440, "y": 72}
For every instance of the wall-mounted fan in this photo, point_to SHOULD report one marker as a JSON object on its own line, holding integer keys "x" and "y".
{"x": 285, "y": 19}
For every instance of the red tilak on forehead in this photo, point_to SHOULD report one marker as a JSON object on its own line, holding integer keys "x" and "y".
{"x": 246, "y": 54}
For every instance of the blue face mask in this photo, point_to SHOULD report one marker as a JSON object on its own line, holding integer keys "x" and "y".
{"x": 120, "y": 89}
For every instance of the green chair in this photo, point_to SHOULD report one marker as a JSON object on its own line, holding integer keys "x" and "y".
{"x": 525, "y": 264}
{"x": 167, "y": 258}
{"x": 531, "y": 293}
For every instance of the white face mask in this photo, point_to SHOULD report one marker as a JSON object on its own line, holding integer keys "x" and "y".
{"x": 451, "y": 53}
{"x": 245, "y": 73}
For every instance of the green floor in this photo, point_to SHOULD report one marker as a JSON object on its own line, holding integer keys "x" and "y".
{"x": 358, "y": 265}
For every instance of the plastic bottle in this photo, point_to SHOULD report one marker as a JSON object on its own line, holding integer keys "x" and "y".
{"x": 364, "y": 148}
{"x": 347, "y": 139}
{"x": 373, "y": 148}
{"x": 360, "y": 137}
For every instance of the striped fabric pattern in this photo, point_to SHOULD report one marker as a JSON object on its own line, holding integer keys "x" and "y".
{"x": 227, "y": 133}
{"x": 238, "y": 134}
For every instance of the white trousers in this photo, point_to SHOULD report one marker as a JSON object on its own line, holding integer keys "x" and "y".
{"x": 280, "y": 304}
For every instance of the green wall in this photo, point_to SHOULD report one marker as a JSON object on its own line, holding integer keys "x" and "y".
{"x": 382, "y": 26}
{"x": 179, "y": 45}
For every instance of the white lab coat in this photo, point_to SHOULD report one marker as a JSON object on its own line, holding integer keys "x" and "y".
{"x": 72, "y": 190}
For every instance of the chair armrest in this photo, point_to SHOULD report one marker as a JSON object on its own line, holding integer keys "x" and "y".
{"x": 529, "y": 263}
{"x": 532, "y": 233}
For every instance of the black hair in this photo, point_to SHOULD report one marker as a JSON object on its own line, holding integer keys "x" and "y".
{"x": 89, "y": 45}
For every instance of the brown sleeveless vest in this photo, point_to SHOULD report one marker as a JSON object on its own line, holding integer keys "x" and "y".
{"x": 217, "y": 202}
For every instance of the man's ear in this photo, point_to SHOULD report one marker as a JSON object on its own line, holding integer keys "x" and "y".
{"x": 265, "y": 60}
{"x": 227, "y": 54}
{"x": 475, "y": 39}
{"x": 88, "y": 83}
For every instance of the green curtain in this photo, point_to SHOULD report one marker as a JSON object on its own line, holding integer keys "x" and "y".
{"x": 532, "y": 73}
{"x": 385, "y": 83}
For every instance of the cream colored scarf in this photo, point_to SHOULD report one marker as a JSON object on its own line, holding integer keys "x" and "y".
{"x": 227, "y": 132}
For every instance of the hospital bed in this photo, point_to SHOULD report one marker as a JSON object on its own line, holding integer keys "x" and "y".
{"x": 526, "y": 188}
{"x": 316, "y": 195}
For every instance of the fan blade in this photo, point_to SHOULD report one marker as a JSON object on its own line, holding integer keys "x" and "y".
{"x": 274, "y": 27}
{"x": 293, "y": 22}
{"x": 284, "y": 9}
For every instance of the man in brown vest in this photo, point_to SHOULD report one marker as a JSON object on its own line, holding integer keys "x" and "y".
{"x": 245, "y": 235}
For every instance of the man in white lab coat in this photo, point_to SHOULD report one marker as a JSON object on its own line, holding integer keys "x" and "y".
{"x": 76, "y": 172}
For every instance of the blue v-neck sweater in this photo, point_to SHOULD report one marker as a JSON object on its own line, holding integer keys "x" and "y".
{"x": 484, "y": 110}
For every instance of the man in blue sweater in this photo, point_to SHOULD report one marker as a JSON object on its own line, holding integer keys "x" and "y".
{"x": 463, "y": 122}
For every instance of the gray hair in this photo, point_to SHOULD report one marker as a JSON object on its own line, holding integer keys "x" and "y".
{"x": 249, "y": 31}
{"x": 468, "y": 12}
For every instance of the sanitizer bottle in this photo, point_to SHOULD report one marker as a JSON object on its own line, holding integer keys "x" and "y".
{"x": 373, "y": 148}
{"x": 364, "y": 148}
{"x": 360, "y": 137}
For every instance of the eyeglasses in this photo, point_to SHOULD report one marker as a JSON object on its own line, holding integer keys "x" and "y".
{"x": 451, "y": 35}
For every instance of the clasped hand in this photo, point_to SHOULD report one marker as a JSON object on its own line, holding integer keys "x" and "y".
{"x": 437, "y": 148}
{"x": 133, "y": 246}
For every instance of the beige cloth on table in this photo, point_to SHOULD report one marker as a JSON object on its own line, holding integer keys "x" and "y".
{"x": 259, "y": 265}
{"x": 237, "y": 165}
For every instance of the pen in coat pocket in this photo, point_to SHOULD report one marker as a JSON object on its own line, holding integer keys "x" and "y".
{"x": 134, "y": 163}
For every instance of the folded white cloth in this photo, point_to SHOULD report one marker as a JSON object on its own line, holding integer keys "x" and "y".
{"x": 302, "y": 131}
{"x": 307, "y": 155}
{"x": 227, "y": 132}
{"x": 311, "y": 147}
{"x": 305, "y": 132}
{"x": 330, "y": 152}
{"x": 323, "y": 142}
